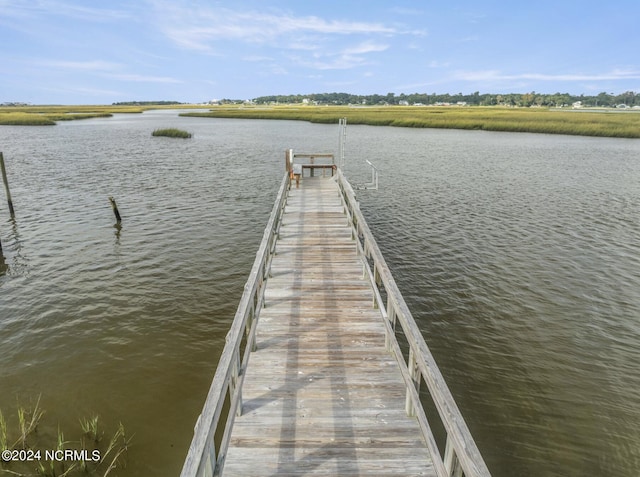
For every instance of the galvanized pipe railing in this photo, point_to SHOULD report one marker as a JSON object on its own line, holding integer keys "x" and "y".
{"x": 206, "y": 457}
{"x": 461, "y": 455}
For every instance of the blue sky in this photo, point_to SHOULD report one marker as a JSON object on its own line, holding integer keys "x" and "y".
{"x": 100, "y": 52}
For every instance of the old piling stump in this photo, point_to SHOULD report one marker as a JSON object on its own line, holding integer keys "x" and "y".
{"x": 6, "y": 186}
{"x": 116, "y": 212}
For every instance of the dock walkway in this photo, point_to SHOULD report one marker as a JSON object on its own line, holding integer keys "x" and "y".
{"x": 324, "y": 370}
{"x": 322, "y": 395}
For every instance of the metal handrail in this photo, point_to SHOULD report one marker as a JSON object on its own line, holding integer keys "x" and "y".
{"x": 203, "y": 459}
{"x": 461, "y": 456}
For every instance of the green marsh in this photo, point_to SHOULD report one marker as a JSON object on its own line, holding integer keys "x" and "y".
{"x": 171, "y": 132}
{"x": 606, "y": 123}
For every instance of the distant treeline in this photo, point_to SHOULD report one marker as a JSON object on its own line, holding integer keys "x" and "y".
{"x": 628, "y": 98}
{"x": 146, "y": 103}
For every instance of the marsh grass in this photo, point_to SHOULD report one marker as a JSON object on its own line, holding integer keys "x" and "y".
{"x": 28, "y": 420}
{"x": 90, "y": 428}
{"x": 49, "y": 115}
{"x": 3, "y": 433}
{"x": 25, "y": 427}
{"x": 118, "y": 445}
{"x": 24, "y": 119}
{"x": 171, "y": 132}
{"x": 533, "y": 120}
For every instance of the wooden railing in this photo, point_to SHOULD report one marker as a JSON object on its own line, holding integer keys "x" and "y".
{"x": 461, "y": 455}
{"x": 208, "y": 450}
{"x": 327, "y": 162}
{"x": 212, "y": 432}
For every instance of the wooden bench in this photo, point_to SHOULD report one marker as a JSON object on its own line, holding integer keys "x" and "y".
{"x": 313, "y": 167}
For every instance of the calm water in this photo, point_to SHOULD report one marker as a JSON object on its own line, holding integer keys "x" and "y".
{"x": 518, "y": 254}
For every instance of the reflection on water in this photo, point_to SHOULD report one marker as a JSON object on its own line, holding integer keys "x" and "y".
{"x": 518, "y": 255}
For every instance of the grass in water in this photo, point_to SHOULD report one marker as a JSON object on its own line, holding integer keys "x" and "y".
{"x": 90, "y": 428}
{"x": 28, "y": 420}
{"x": 96, "y": 458}
{"x": 3, "y": 433}
{"x": 118, "y": 445}
{"x": 171, "y": 132}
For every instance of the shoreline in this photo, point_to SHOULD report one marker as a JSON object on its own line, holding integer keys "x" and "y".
{"x": 576, "y": 122}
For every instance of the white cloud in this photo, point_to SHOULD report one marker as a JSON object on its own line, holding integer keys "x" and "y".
{"x": 91, "y": 65}
{"x": 201, "y": 28}
{"x": 318, "y": 25}
{"x": 438, "y": 64}
{"x": 144, "y": 78}
{"x": 468, "y": 39}
{"x": 346, "y": 58}
{"x": 30, "y": 9}
{"x": 406, "y": 11}
{"x": 81, "y": 90}
{"x": 365, "y": 47}
{"x": 257, "y": 58}
{"x": 496, "y": 75}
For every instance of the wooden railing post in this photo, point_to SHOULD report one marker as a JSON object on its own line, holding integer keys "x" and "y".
{"x": 376, "y": 282}
{"x": 235, "y": 377}
{"x": 287, "y": 160}
{"x": 451, "y": 461}
{"x": 391, "y": 316}
{"x": 212, "y": 460}
{"x": 414, "y": 373}
{"x": 251, "y": 342}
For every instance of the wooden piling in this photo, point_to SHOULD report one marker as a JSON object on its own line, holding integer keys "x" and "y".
{"x": 3, "y": 264}
{"x": 288, "y": 159}
{"x": 114, "y": 206}
{"x": 6, "y": 186}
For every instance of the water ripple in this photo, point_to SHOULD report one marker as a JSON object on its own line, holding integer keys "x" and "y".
{"x": 518, "y": 254}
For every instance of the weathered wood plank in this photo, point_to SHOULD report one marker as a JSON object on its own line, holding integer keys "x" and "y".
{"x": 322, "y": 396}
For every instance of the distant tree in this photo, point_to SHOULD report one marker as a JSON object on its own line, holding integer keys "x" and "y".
{"x": 629, "y": 98}
{"x": 604, "y": 99}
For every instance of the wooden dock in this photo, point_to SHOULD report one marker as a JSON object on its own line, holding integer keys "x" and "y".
{"x": 322, "y": 395}
{"x": 312, "y": 379}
